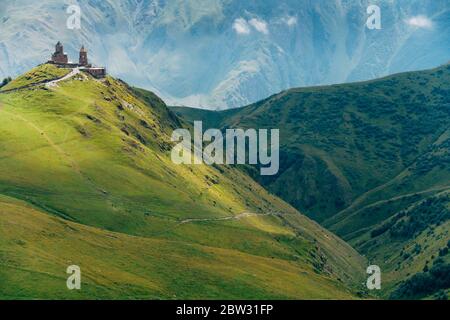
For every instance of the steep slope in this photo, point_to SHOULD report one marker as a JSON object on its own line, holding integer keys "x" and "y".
{"x": 229, "y": 53}
{"x": 36, "y": 249}
{"x": 86, "y": 164}
{"x": 413, "y": 240}
{"x": 357, "y": 156}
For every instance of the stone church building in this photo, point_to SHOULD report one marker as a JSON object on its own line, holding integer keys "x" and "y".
{"x": 61, "y": 59}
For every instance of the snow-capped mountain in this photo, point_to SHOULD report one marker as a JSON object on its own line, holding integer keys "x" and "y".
{"x": 228, "y": 53}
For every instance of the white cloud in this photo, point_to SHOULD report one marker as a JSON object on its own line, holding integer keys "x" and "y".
{"x": 290, "y": 21}
{"x": 259, "y": 25}
{"x": 241, "y": 26}
{"x": 420, "y": 22}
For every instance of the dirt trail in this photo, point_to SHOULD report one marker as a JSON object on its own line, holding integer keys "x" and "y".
{"x": 52, "y": 144}
{"x": 194, "y": 220}
{"x": 237, "y": 217}
{"x": 53, "y": 83}
{"x": 47, "y": 83}
{"x": 50, "y": 83}
{"x": 358, "y": 204}
{"x": 67, "y": 157}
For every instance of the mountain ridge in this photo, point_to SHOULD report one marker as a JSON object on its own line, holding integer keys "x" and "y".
{"x": 86, "y": 171}
{"x": 191, "y": 53}
{"x": 360, "y": 159}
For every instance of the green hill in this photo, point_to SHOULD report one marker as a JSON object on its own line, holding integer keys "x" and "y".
{"x": 37, "y": 75}
{"x": 363, "y": 159}
{"x": 86, "y": 178}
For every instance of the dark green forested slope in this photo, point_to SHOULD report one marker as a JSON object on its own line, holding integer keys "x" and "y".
{"x": 365, "y": 160}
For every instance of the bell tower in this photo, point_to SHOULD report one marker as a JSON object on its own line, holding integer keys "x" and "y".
{"x": 59, "y": 57}
{"x": 83, "y": 57}
{"x": 59, "y": 49}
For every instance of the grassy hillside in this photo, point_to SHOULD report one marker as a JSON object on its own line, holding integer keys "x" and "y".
{"x": 357, "y": 156}
{"x": 37, "y": 75}
{"x": 411, "y": 242}
{"x": 86, "y": 177}
{"x": 36, "y": 249}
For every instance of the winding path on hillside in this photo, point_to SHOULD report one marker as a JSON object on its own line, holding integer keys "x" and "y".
{"x": 47, "y": 83}
{"x": 73, "y": 164}
{"x": 237, "y": 217}
{"x": 49, "y": 141}
{"x": 230, "y": 218}
{"x": 358, "y": 204}
{"x": 53, "y": 83}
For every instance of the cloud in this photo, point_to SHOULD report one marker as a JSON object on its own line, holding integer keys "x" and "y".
{"x": 241, "y": 26}
{"x": 420, "y": 22}
{"x": 259, "y": 25}
{"x": 290, "y": 21}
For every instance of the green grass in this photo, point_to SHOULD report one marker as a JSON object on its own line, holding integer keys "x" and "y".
{"x": 36, "y": 249}
{"x": 357, "y": 155}
{"x": 410, "y": 240}
{"x": 39, "y": 74}
{"x": 94, "y": 156}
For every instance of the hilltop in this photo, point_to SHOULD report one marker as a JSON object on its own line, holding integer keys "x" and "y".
{"x": 86, "y": 178}
{"x": 368, "y": 160}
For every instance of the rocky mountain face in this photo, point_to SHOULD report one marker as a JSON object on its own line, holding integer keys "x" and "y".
{"x": 227, "y": 53}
